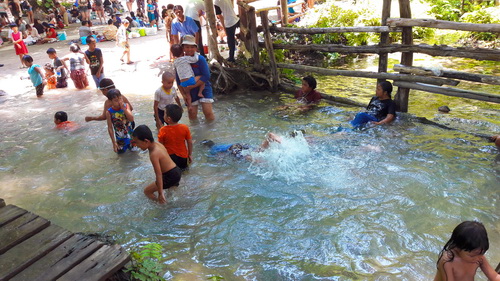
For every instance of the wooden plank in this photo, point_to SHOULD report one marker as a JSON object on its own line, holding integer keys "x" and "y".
{"x": 368, "y": 74}
{"x": 449, "y": 91}
{"x": 254, "y": 39}
{"x": 99, "y": 266}
{"x": 2, "y": 203}
{"x": 384, "y": 38}
{"x": 26, "y": 253}
{"x": 60, "y": 260}
{"x": 20, "y": 229}
{"x": 10, "y": 213}
{"x": 487, "y": 79}
{"x": 402, "y": 95}
{"x": 319, "y": 30}
{"x": 284, "y": 12}
{"x": 443, "y": 24}
{"x": 444, "y": 51}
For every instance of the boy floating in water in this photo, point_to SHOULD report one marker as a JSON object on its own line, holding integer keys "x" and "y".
{"x": 167, "y": 173}
{"x": 119, "y": 119}
{"x": 380, "y": 110}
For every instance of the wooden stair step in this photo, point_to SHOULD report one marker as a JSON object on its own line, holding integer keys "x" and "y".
{"x": 20, "y": 229}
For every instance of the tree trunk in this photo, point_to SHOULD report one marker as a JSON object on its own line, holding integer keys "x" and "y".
{"x": 212, "y": 31}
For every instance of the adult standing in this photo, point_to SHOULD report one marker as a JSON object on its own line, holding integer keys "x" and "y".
{"x": 63, "y": 12}
{"x": 15, "y": 8}
{"x": 195, "y": 10}
{"x": 84, "y": 9}
{"x": 183, "y": 25}
{"x": 122, "y": 40}
{"x": 201, "y": 69}
{"x": 3, "y": 12}
{"x": 225, "y": 12}
{"x": 140, "y": 5}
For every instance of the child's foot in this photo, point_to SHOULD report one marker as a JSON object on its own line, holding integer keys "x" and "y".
{"x": 130, "y": 62}
{"x": 121, "y": 60}
{"x": 200, "y": 96}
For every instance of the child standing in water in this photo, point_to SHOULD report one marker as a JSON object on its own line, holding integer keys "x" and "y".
{"x": 183, "y": 68}
{"x": 119, "y": 119}
{"x": 19, "y": 46}
{"x": 164, "y": 96}
{"x": 36, "y": 75}
{"x": 167, "y": 173}
{"x": 464, "y": 253}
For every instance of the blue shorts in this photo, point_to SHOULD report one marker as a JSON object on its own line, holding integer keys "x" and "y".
{"x": 190, "y": 82}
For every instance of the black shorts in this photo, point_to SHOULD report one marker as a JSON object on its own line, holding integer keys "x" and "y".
{"x": 179, "y": 161}
{"x": 161, "y": 116}
{"x": 171, "y": 178}
{"x": 39, "y": 90}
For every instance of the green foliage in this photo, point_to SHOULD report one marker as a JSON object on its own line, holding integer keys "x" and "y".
{"x": 48, "y": 4}
{"x": 215, "y": 278}
{"x": 452, "y": 10}
{"x": 146, "y": 263}
{"x": 481, "y": 16}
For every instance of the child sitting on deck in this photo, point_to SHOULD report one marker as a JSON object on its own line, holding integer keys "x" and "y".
{"x": 184, "y": 70}
{"x": 119, "y": 118}
{"x": 464, "y": 253}
{"x": 167, "y": 173}
{"x": 176, "y": 137}
{"x": 62, "y": 123}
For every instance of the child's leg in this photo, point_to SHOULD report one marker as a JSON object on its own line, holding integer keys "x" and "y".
{"x": 202, "y": 87}
{"x": 150, "y": 190}
{"x": 21, "y": 59}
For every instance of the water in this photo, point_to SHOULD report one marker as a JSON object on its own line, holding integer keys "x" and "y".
{"x": 367, "y": 205}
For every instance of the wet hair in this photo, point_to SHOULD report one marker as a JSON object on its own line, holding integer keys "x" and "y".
{"x": 170, "y": 6}
{"x": 143, "y": 132}
{"x": 386, "y": 87}
{"x": 113, "y": 93}
{"x": 174, "y": 112}
{"x": 237, "y": 148}
{"x": 89, "y": 39}
{"x": 61, "y": 116}
{"x": 27, "y": 58}
{"x": 310, "y": 81}
{"x": 178, "y": 7}
{"x": 167, "y": 75}
{"x": 176, "y": 50}
{"x": 208, "y": 143}
{"x": 295, "y": 133}
{"x": 467, "y": 236}
{"x": 74, "y": 48}
{"x": 110, "y": 21}
{"x": 106, "y": 84}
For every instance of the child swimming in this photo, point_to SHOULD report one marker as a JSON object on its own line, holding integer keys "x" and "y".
{"x": 464, "y": 253}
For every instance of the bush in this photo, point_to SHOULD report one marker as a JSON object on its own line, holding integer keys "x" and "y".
{"x": 146, "y": 263}
{"x": 452, "y": 10}
{"x": 482, "y": 16}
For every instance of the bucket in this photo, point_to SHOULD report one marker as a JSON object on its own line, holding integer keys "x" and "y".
{"x": 61, "y": 36}
{"x": 205, "y": 49}
{"x": 142, "y": 32}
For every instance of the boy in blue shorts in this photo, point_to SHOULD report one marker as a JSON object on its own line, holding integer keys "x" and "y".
{"x": 167, "y": 173}
{"x": 119, "y": 119}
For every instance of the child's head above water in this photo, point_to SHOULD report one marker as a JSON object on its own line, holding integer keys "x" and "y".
{"x": 309, "y": 83}
{"x": 113, "y": 94}
{"x": 167, "y": 80}
{"x": 384, "y": 87}
{"x": 469, "y": 236}
{"x": 52, "y": 53}
{"x": 49, "y": 69}
{"x": 173, "y": 112}
{"x": 60, "y": 117}
{"x": 177, "y": 50}
{"x": 74, "y": 48}
{"x": 28, "y": 60}
{"x": 142, "y": 136}
{"x": 105, "y": 85}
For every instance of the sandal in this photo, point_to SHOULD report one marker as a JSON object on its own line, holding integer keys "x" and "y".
{"x": 130, "y": 62}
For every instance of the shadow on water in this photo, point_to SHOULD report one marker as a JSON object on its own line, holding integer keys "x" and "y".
{"x": 376, "y": 204}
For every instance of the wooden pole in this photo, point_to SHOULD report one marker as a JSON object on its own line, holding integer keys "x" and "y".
{"x": 319, "y": 30}
{"x": 443, "y": 24}
{"x": 481, "y": 78}
{"x": 275, "y": 78}
{"x": 384, "y": 37}
{"x": 284, "y": 12}
{"x": 254, "y": 39}
{"x": 402, "y": 95}
{"x": 368, "y": 74}
{"x": 244, "y": 26}
{"x": 212, "y": 31}
{"x": 442, "y": 51}
{"x": 450, "y": 91}
{"x": 2, "y": 203}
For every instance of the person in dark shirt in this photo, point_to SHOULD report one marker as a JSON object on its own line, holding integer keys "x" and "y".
{"x": 380, "y": 110}
{"x": 93, "y": 56}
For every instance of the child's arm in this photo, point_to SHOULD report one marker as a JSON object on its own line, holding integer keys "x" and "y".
{"x": 86, "y": 57}
{"x": 157, "y": 117}
{"x": 111, "y": 132}
{"x": 190, "y": 149}
{"x": 128, "y": 113}
{"x": 127, "y": 102}
{"x": 155, "y": 160}
{"x": 101, "y": 59}
{"x": 490, "y": 273}
{"x": 39, "y": 70}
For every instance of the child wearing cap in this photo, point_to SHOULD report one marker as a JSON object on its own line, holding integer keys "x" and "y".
{"x": 183, "y": 68}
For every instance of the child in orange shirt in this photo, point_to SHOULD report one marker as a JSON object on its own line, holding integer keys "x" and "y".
{"x": 176, "y": 137}
{"x": 50, "y": 76}
{"x": 62, "y": 123}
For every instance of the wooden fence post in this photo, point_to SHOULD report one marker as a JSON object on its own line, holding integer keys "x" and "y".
{"x": 275, "y": 79}
{"x": 284, "y": 12}
{"x": 402, "y": 95}
{"x": 254, "y": 39}
{"x": 384, "y": 37}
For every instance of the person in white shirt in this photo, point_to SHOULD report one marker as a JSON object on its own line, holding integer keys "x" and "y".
{"x": 230, "y": 21}
{"x": 195, "y": 10}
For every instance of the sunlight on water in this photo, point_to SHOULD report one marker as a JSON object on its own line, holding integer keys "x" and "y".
{"x": 376, "y": 204}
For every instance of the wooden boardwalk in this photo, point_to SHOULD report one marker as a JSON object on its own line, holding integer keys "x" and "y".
{"x": 31, "y": 248}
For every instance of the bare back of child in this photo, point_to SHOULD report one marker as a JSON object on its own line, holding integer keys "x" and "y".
{"x": 167, "y": 173}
